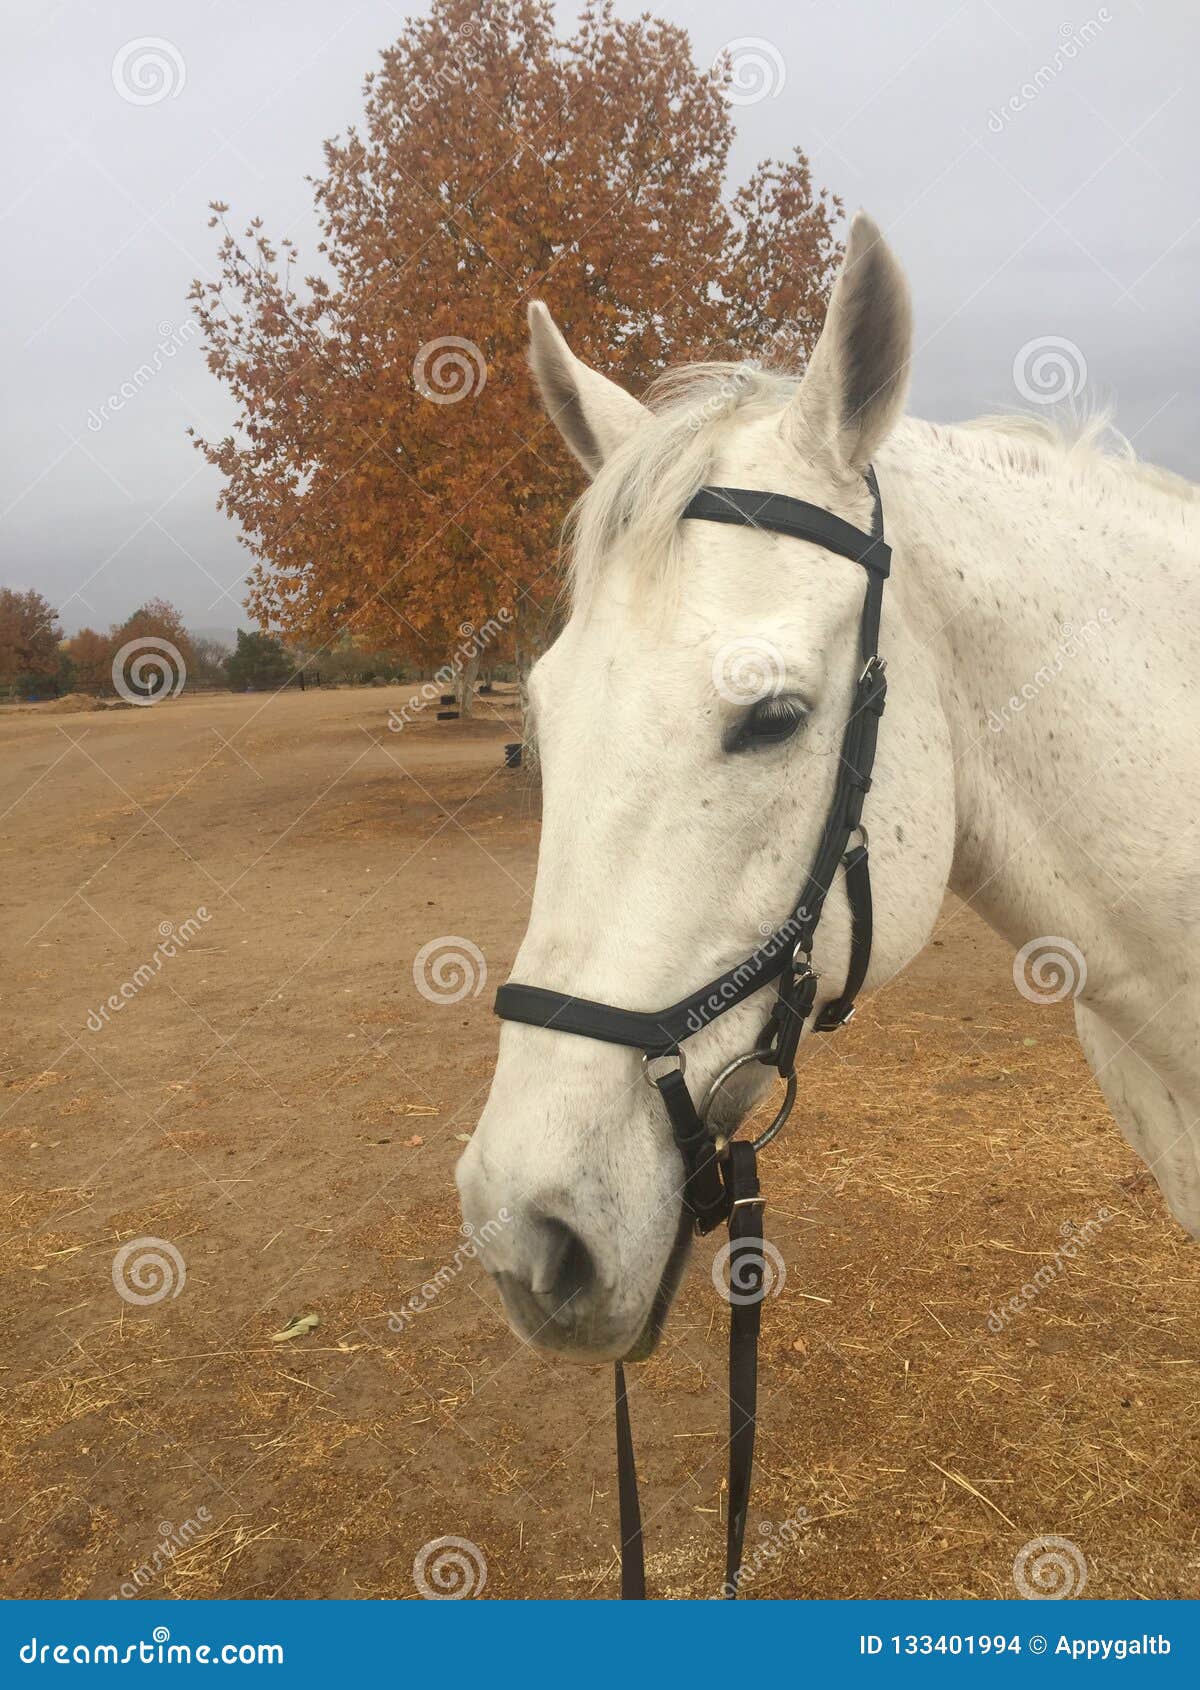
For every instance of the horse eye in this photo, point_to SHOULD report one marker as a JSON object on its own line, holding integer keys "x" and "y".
{"x": 770, "y": 722}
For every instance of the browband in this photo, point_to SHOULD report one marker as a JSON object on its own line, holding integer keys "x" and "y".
{"x": 799, "y": 521}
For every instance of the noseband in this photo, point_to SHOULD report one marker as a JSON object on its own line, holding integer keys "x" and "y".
{"x": 720, "y": 1178}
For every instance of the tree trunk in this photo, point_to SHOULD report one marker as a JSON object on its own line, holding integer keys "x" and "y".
{"x": 526, "y": 654}
{"x": 464, "y": 682}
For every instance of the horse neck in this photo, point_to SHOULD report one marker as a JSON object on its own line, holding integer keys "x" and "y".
{"x": 1001, "y": 578}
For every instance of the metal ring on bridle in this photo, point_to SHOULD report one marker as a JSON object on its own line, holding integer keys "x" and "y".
{"x": 652, "y": 1075}
{"x": 727, "y": 1073}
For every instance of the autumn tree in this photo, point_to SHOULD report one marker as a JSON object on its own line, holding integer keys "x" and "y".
{"x": 91, "y": 655}
{"x": 390, "y": 469}
{"x": 156, "y": 637}
{"x": 29, "y": 638}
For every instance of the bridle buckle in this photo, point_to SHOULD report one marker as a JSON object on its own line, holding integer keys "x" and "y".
{"x": 793, "y": 1006}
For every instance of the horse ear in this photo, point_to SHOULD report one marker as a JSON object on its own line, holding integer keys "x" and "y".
{"x": 592, "y": 414}
{"x": 853, "y": 391}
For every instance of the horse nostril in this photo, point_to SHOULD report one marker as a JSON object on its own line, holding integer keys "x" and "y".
{"x": 562, "y": 1265}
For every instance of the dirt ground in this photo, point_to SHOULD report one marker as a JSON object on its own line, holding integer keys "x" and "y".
{"x": 281, "y": 1106}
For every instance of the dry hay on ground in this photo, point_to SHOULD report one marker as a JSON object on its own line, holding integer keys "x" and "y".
{"x": 286, "y": 1109}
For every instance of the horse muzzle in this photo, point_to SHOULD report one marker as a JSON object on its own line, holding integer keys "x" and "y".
{"x": 584, "y": 1288}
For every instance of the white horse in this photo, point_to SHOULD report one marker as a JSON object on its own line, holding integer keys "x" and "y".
{"x": 1038, "y": 754}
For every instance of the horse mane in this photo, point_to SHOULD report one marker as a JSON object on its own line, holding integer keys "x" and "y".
{"x": 638, "y": 494}
{"x": 1084, "y": 441}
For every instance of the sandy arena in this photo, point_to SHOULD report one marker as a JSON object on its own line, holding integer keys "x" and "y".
{"x": 280, "y": 1104}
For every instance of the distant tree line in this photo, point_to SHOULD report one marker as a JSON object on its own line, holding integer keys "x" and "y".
{"x": 38, "y": 661}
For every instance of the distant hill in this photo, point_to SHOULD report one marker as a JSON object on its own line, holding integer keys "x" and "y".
{"x": 227, "y": 636}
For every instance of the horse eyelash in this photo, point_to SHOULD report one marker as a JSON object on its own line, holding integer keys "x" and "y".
{"x": 742, "y": 736}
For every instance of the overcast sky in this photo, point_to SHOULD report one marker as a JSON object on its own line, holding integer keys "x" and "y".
{"x": 1060, "y": 206}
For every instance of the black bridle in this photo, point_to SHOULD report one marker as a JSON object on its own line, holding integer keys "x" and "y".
{"x": 720, "y": 1177}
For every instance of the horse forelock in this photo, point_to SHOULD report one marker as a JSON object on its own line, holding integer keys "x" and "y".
{"x": 639, "y": 495}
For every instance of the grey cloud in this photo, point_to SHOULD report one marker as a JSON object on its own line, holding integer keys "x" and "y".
{"x": 1038, "y": 225}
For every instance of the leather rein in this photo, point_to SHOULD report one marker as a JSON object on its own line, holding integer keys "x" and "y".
{"x": 720, "y": 1177}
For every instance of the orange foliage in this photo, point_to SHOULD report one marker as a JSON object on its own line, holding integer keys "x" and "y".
{"x": 91, "y": 654}
{"x": 390, "y": 469}
{"x": 29, "y": 636}
{"x": 155, "y": 620}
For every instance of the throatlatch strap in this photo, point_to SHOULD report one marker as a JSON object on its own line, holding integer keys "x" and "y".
{"x": 858, "y": 893}
{"x": 633, "y": 1561}
{"x": 854, "y": 781}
